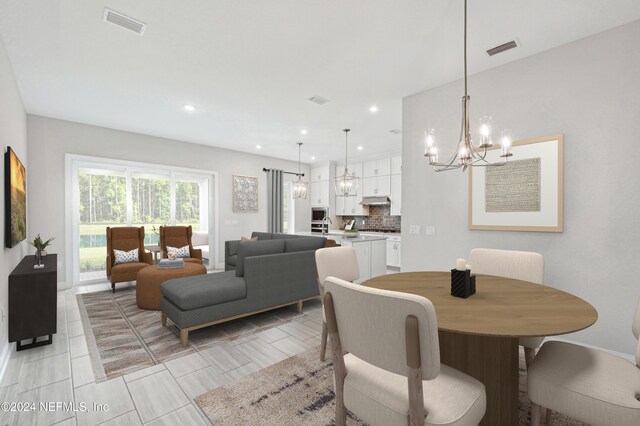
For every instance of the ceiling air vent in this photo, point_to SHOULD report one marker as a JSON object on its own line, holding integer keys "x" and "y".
{"x": 317, "y": 99}
{"x": 124, "y": 21}
{"x": 502, "y": 48}
{"x": 395, "y": 131}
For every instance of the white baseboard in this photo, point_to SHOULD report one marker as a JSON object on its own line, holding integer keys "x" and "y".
{"x": 628, "y": 357}
{"x": 4, "y": 359}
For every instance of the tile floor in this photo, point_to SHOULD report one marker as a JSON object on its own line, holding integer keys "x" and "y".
{"x": 159, "y": 395}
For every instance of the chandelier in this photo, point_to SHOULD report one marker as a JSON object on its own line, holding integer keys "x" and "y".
{"x": 466, "y": 154}
{"x": 300, "y": 187}
{"x": 346, "y": 185}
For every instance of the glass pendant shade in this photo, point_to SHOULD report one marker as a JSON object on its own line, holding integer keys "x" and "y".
{"x": 346, "y": 185}
{"x": 300, "y": 188}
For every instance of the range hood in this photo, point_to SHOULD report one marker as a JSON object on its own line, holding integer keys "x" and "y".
{"x": 375, "y": 201}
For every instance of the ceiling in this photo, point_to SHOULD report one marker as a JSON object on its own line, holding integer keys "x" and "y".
{"x": 249, "y": 66}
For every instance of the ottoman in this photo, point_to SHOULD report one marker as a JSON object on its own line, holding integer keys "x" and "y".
{"x": 150, "y": 278}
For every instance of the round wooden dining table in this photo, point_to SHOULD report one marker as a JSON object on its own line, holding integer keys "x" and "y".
{"x": 479, "y": 335}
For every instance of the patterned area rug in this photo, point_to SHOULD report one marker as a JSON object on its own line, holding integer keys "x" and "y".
{"x": 299, "y": 391}
{"x": 123, "y": 338}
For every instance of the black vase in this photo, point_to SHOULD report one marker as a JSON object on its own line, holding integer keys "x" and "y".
{"x": 463, "y": 284}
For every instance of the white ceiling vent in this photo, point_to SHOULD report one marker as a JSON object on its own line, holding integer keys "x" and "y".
{"x": 117, "y": 18}
{"x": 503, "y": 47}
{"x": 317, "y": 99}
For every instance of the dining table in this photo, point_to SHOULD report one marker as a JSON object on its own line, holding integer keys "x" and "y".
{"x": 479, "y": 335}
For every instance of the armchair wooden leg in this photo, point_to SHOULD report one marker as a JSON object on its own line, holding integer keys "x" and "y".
{"x": 529, "y": 355}
{"x": 113, "y": 287}
{"x": 164, "y": 319}
{"x": 300, "y": 306}
{"x": 184, "y": 337}
{"x": 323, "y": 341}
{"x": 535, "y": 414}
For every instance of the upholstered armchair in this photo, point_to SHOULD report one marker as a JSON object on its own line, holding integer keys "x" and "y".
{"x": 125, "y": 239}
{"x": 179, "y": 236}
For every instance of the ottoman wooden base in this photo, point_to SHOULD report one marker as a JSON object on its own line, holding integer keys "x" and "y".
{"x": 149, "y": 279}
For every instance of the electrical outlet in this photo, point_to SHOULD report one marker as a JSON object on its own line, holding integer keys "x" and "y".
{"x": 430, "y": 230}
{"x": 414, "y": 230}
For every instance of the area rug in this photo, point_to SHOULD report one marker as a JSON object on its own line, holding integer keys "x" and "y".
{"x": 299, "y": 391}
{"x": 123, "y": 338}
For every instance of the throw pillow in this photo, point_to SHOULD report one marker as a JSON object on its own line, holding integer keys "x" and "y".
{"x": 248, "y": 239}
{"x": 179, "y": 251}
{"x": 122, "y": 256}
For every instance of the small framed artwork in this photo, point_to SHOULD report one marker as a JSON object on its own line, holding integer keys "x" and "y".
{"x": 525, "y": 194}
{"x": 245, "y": 193}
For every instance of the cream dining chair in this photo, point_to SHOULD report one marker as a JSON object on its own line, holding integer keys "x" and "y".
{"x": 339, "y": 262}
{"x": 586, "y": 384}
{"x": 390, "y": 373}
{"x": 518, "y": 265}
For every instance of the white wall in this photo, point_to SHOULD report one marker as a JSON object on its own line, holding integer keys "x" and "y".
{"x": 13, "y": 133}
{"x": 51, "y": 139}
{"x": 590, "y": 91}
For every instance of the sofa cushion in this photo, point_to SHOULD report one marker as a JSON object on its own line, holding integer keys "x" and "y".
{"x": 233, "y": 247}
{"x": 194, "y": 292}
{"x": 256, "y": 248}
{"x": 232, "y": 260}
{"x": 285, "y": 236}
{"x": 262, "y": 235}
{"x": 303, "y": 244}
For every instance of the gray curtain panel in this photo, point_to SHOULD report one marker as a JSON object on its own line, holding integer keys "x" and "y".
{"x": 274, "y": 196}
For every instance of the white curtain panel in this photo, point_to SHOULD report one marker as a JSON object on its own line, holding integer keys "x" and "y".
{"x": 274, "y": 195}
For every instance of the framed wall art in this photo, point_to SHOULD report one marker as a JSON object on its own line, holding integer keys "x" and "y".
{"x": 245, "y": 193}
{"x": 525, "y": 194}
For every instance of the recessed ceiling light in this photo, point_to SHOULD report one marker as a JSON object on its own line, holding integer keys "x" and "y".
{"x": 313, "y": 158}
{"x": 258, "y": 146}
{"x": 360, "y": 148}
{"x": 189, "y": 108}
{"x": 373, "y": 109}
{"x": 303, "y": 131}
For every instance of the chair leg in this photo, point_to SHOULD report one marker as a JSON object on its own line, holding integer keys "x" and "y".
{"x": 113, "y": 287}
{"x": 323, "y": 341}
{"x": 529, "y": 355}
{"x": 535, "y": 414}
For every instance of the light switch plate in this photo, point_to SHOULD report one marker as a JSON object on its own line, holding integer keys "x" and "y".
{"x": 414, "y": 230}
{"x": 430, "y": 230}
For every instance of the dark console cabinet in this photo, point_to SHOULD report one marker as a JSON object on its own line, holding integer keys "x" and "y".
{"x": 33, "y": 301}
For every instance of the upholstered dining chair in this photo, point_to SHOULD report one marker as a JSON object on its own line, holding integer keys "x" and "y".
{"x": 340, "y": 262}
{"x": 519, "y": 265}
{"x": 587, "y": 384}
{"x": 125, "y": 239}
{"x": 178, "y": 237}
{"x": 386, "y": 361}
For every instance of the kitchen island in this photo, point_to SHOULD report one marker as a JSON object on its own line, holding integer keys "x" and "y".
{"x": 371, "y": 251}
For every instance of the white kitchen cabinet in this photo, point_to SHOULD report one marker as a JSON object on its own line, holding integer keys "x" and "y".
{"x": 340, "y": 210}
{"x": 394, "y": 250}
{"x": 376, "y": 186}
{"x": 319, "y": 194}
{"x": 319, "y": 174}
{"x": 375, "y": 168}
{"x": 371, "y": 257}
{"x": 396, "y": 195}
{"x": 396, "y": 165}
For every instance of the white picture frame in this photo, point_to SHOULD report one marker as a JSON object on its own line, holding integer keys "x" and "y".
{"x": 549, "y": 218}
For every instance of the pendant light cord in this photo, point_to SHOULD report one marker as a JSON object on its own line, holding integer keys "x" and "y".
{"x": 465, "y": 48}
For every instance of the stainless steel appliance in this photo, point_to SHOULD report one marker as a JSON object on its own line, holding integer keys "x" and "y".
{"x": 317, "y": 214}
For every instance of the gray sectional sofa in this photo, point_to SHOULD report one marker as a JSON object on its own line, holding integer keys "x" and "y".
{"x": 231, "y": 247}
{"x": 269, "y": 273}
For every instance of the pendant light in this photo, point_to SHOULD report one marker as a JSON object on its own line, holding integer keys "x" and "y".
{"x": 346, "y": 185}
{"x": 300, "y": 187}
{"x": 466, "y": 154}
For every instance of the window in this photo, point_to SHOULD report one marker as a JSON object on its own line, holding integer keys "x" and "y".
{"x": 288, "y": 211}
{"x": 117, "y": 193}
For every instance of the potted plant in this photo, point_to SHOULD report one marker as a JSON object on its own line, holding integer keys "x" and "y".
{"x": 40, "y": 247}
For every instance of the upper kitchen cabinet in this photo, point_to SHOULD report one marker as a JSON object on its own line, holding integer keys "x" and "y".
{"x": 376, "y": 186}
{"x": 320, "y": 174}
{"x": 396, "y": 165}
{"x": 319, "y": 194}
{"x": 376, "y": 168}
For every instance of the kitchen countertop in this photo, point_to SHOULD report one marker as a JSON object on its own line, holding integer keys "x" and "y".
{"x": 339, "y": 236}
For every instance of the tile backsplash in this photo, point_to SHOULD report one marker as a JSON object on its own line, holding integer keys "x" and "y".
{"x": 379, "y": 218}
